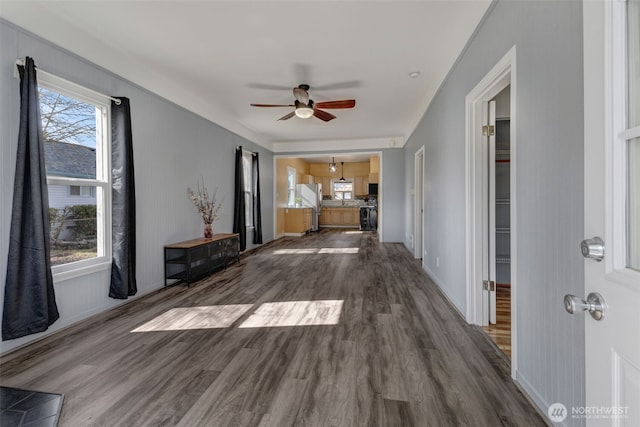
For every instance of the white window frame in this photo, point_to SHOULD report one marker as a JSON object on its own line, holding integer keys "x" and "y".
{"x": 102, "y": 183}
{"x": 617, "y": 136}
{"x": 291, "y": 191}
{"x": 348, "y": 181}
{"x": 247, "y": 168}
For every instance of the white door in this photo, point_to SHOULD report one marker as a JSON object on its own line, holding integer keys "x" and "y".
{"x": 489, "y": 229}
{"x": 419, "y": 205}
{"x": 612, "y": 211}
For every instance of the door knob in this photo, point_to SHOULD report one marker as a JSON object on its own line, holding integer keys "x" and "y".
{"x": 592, "y": 248}
{"x": 594, "y": 304}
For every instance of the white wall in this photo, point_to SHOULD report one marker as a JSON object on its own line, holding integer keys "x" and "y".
{"x": 549, "y": 137}
{"x": 173, "y": 148}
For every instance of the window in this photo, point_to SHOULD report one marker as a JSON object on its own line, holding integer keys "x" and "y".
{"x": 82, "y": 191}
{"x": 247, "y": 169}
{"x": 343, "y": 190}
{"x": 75, "y": 124}
{"x": 631, "y": 135}
{"x": 291, "y": 186}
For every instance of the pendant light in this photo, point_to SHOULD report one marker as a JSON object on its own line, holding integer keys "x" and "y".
{"x": 342, "y": 175}
{"x": 332, "y": 165}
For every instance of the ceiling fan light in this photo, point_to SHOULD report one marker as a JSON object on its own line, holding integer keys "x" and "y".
{"x": 304, "y": 112}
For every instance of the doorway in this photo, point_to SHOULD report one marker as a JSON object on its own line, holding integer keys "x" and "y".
{"x": 418, "y": 234}
{"x": 498, "y": 232}
{"x": 491, "y": 204}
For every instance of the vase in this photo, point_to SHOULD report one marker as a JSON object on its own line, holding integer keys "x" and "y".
{"x": 208, "y": 231}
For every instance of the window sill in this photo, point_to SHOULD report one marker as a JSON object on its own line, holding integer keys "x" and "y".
{"x": 64, "y": 275}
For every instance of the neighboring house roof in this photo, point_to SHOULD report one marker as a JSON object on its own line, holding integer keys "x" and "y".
{"x": 70, "y": 160}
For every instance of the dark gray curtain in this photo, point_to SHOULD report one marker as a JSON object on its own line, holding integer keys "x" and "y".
{"x": 29, "y": 299}
{"x": 123, "y": 266}
{"x": 257, "y": 214}
{"x": 239, "y": 220}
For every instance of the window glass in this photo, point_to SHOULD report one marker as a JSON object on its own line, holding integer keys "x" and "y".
{"x": 633, "y": 63}
{"x": 247, "y": 167}
{"x": 72, "y": 132}
{"x": 633, "y": 145}
{"x": 343, "y": 190}
{"x": 291, "y": 186}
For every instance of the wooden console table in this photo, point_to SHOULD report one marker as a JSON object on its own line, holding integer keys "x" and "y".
{"x": 192, "y": 260}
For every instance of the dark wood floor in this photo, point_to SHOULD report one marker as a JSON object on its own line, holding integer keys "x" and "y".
{"x": 399, "y": 355}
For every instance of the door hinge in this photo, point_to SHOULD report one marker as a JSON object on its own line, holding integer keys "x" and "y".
{"x": 488, "y": 130}
{"x": 488, "y": 285}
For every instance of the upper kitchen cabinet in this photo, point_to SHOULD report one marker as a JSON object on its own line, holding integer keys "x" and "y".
{"x": 374, "y": 169}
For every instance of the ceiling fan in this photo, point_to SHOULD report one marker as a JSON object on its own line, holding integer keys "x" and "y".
{"x": 305, "y": 107}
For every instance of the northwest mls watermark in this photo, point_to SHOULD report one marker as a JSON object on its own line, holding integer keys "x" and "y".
{"x": 558, "y": 412}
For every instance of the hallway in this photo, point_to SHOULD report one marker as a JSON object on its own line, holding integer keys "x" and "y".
{"x": 330, "y": 329}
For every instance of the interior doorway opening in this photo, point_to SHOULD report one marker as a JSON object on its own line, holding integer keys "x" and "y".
{"x": 418, "y": 240}
{"x": 487, "y": 238}
{"x": 499, "y": 214}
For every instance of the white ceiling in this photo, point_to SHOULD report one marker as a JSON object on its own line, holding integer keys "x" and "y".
{"x": 216, "y": 57}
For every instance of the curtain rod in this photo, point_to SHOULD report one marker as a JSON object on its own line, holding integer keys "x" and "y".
{"x": 253, "y": 153}
{"x": 40, "y": 70}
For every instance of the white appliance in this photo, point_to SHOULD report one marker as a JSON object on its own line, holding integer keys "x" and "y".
{"x": 311, "y": 197}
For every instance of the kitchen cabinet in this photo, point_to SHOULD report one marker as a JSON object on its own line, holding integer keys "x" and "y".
{"x": 373, "y": 178}
{"x": 340, "y": 217}
{"x": 298, "y": 220}
{"x": 326, "y": 186}
{"x": 351, "y": 216}
{"x": 361, "y": 185}
{"x": 308, "y": 179}
{"x": 374, "y": 165}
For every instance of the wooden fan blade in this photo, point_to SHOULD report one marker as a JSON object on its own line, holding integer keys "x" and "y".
{"x": 288, "y": 116}
{"x": 345, "y": 103}
{"x": 323, "y": 115}
{"x": 272, "y": 105}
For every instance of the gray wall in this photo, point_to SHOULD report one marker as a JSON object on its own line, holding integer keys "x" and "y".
{"x": 173, "y": 148}
{"x": 549, "y": 135}
{"x": 392, "y": 203}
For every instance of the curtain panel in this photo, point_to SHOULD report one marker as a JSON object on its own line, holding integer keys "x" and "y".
{"x": 239, "y": 219}
{"x": 257, "y": 214}
{"x": 29, "y": 298}
{"x": 123, "y": 198}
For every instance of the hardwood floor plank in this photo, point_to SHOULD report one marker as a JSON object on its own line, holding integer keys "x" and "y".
{"x": 399, "y": 354}
{"x": 200, "y": 412}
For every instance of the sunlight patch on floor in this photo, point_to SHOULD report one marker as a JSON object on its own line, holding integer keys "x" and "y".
{"x": 353, "y": 232}
{"x": 295, "y": 251}
{"x": 309, "y": 251}
{"x": 185, "y": 318}
{"x": 339, "y": 250}
{"x": 295, "y": 313}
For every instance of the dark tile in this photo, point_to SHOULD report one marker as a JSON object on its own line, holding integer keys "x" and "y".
{"x": 23, "y": 408}
{"x": 11, "y": 418}
{"x": 43, "y": 406}
{"x": 10, "y": 396}
{"x": 51, "y": 421}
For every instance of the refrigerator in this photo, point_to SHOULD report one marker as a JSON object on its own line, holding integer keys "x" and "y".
{"x": 311, "y": 197}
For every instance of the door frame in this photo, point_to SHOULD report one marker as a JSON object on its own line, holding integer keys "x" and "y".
{"x": 501, "y": 75}
{"x": 418, "y": 228}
